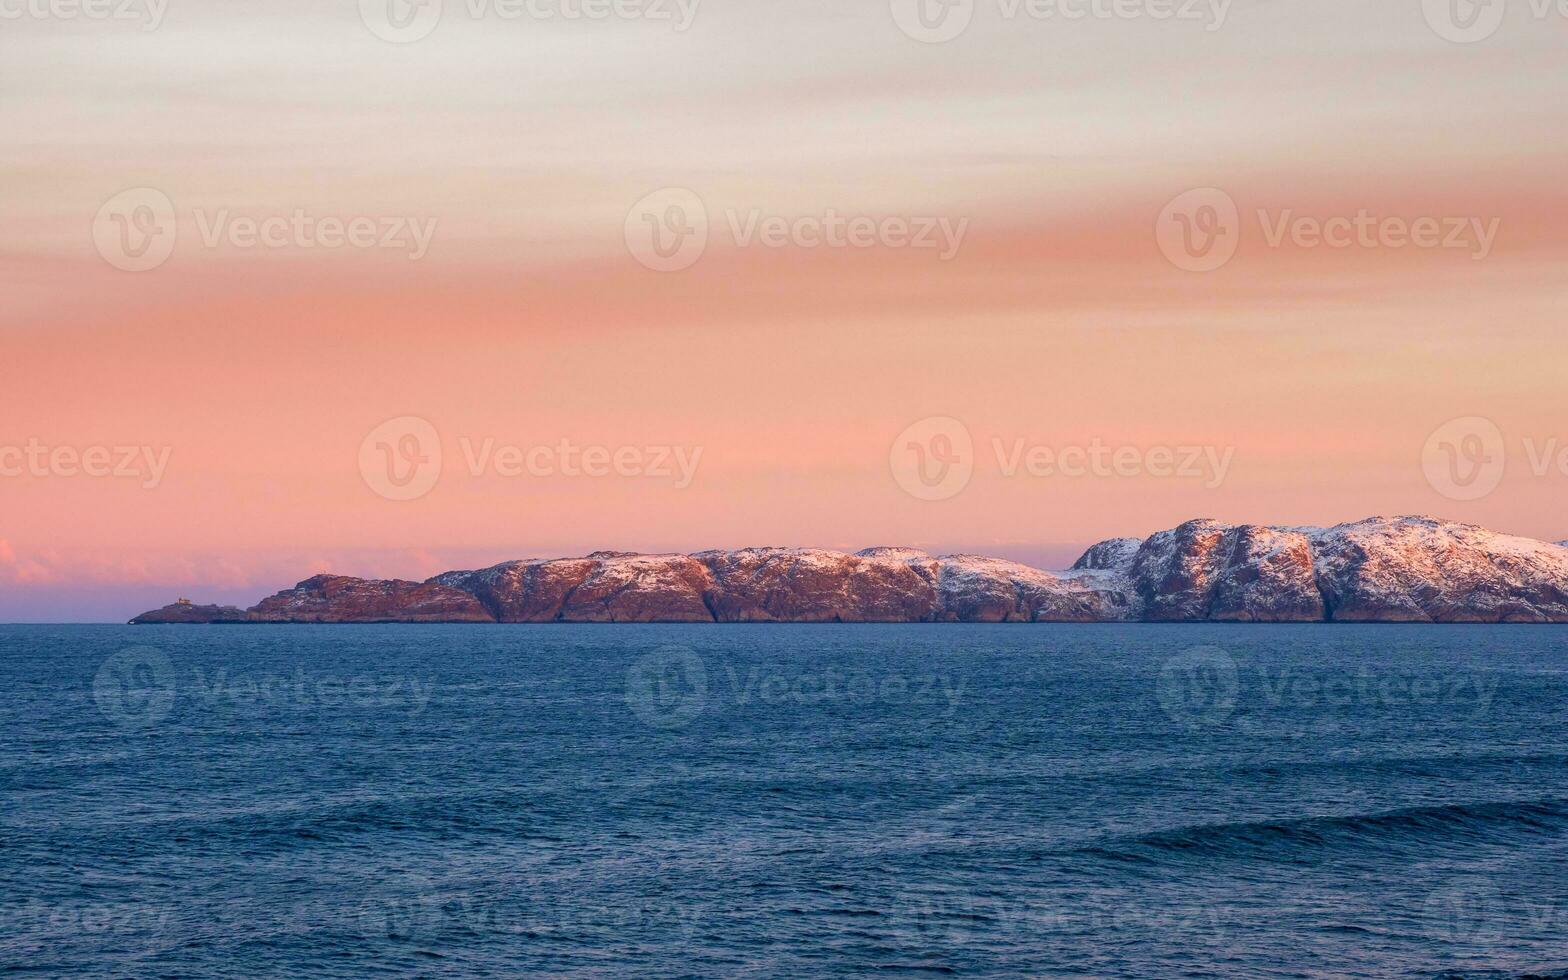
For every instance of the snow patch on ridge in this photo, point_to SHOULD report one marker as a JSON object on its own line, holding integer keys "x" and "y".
{"x": 1115, "y": 553}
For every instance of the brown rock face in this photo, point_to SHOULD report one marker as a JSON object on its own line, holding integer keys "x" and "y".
{"x": 880, "y": 585}
{"x": 1427, "y": 571}
{"x": 990, "y": 590}
{"x": 803, "y": 586}
{"x": 607, "y": 587}
{"x": 1175, "y": 571}
{"x": 1208, "y": 571}
{"x": 642, "y": 589}
{"x": 1380, "y": 570}
{"x": 1114, "y": 554}
{"x": 523, "y": 591}
{"x": 1388, "y": 570}
{"x": 1268, "y": 578}
{"x": 337, "y": 599}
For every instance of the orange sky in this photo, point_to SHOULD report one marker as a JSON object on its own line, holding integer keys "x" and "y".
{"x": 1059, "y": 322}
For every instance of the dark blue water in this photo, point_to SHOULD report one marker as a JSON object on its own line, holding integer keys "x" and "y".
{"x": 1106, "y": 801}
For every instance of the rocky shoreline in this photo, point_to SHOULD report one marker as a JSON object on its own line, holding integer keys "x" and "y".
{"x": 1383, "y": 570}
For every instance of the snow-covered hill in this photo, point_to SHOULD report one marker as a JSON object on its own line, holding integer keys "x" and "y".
{"x": 1404, "y": 569}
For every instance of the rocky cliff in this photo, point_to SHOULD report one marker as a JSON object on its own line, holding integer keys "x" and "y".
{"x": 184, "y": 612}
{"x": 340, "y": 599}
{"x": 1408, "y": 569}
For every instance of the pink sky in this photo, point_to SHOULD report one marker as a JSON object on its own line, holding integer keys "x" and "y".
{"x": 1058, "y": 323}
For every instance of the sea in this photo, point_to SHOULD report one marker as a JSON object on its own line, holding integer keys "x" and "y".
{"x": 1140, "y": 801}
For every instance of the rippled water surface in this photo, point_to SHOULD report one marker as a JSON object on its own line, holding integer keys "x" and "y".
{"x": 1107, "y": 801}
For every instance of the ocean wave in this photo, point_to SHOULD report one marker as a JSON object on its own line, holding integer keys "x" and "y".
{"x": 1500, "y": 821}
{"x": 1502, "y": 976}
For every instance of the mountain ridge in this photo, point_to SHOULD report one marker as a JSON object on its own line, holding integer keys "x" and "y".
{"x": 1400, "y": 569}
